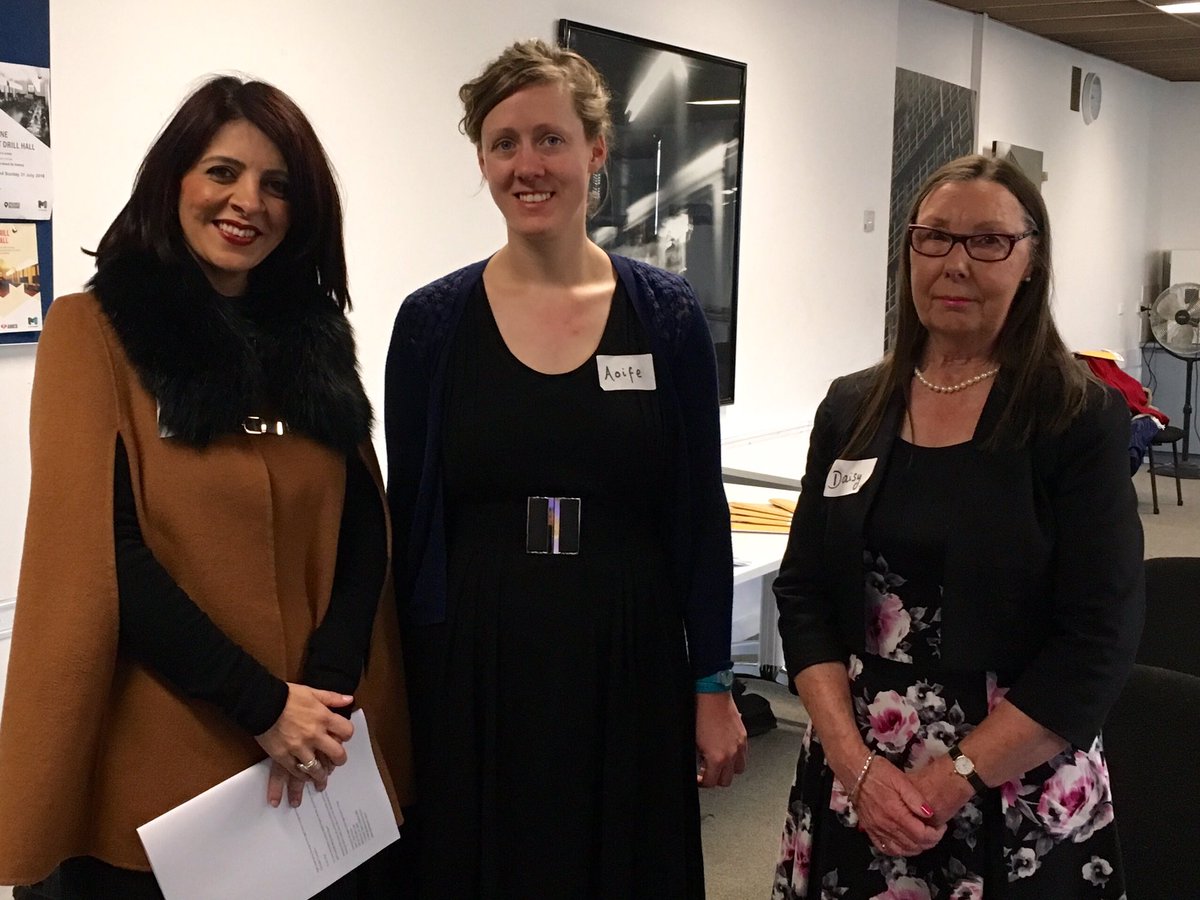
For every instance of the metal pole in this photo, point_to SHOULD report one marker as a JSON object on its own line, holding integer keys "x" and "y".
{"x": 1187, "y": 408}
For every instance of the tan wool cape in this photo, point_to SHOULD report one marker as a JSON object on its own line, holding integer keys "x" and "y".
{"x": 92, "y": 745}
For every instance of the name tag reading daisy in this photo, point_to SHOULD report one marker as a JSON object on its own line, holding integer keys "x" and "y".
{"x": 626, "y": 373}
{"x": 846, "y": 476}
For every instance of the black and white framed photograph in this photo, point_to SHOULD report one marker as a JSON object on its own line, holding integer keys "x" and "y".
{"x": 670, "y": 192}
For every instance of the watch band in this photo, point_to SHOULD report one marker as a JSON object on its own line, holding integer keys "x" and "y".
{"x": 966, "y": 768}
{"x": 715, "y": 683}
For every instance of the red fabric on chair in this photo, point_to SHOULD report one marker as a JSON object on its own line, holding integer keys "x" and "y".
{"x": 1131, "y": 389}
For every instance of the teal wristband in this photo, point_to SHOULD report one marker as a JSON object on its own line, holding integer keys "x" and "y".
{"x": 716, "y": 683}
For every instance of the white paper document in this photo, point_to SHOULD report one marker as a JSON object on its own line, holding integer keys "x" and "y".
{"x": 230, "y": 843}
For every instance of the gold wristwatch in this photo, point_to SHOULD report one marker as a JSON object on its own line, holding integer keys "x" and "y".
{"x": 964, "y": 767}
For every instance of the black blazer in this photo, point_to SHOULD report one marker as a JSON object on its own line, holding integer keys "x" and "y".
{"x": 1043, "y": 576}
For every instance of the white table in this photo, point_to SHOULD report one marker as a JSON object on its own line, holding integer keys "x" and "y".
{"x": 756, "y": 647}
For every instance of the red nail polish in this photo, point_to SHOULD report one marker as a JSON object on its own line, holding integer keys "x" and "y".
{"x": 926, "y": 810}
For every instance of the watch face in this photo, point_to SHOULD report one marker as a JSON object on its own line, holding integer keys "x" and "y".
{"x": 963, "y": 766}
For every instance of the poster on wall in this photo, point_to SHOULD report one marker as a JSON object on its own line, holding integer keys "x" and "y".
{"x": 669, "y": 194}
{"x": 25, "y": 100}
{"x": 25, "y": 181}
{"x": 20, "y": 279}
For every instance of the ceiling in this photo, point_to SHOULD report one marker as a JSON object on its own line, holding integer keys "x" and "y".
{"x": 1131, "y": 32}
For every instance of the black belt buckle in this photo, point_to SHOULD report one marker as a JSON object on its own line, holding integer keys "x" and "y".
{"x": 552, "y": 525}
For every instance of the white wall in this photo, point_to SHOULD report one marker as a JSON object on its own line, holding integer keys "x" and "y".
{"x": 379, "y": 78}
{"x": 1099, "y": 191}
{"x": 1103, "y": 186}
{"x": 818, "y": 154}
{"x": 1174, "y": 142}
{"x": 936, "y": 40}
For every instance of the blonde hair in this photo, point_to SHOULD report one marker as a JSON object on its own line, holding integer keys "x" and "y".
{"x": 533, "y": 62}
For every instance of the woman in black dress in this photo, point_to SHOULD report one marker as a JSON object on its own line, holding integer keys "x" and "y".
{"x": 961, "y": 595}
{"x": 562, "y": 538}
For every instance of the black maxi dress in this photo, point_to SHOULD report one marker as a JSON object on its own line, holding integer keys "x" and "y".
{"x": 554, "y": 722}
{"x": 1048, "y": 834}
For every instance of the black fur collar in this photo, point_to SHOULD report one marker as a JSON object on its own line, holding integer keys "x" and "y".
{"x": 210, "y": 361}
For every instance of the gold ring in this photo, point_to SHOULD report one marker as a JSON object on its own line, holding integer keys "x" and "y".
{"x": 308, "y": 766}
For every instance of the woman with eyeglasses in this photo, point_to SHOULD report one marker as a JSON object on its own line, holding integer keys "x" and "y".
{"x": 961, "y": 596}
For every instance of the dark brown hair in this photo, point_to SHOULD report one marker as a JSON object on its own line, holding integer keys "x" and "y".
{"x": 532, "y": 62}
{"x": 1047, "y": 387}
{"x": 311, "y": 252}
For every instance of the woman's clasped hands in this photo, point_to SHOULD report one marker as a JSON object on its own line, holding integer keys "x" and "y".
{"x": 305, "y": 743}
{"x": 893, "y": 812}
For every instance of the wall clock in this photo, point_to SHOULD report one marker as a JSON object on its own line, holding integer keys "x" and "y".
{"x": 1089, "y": 102}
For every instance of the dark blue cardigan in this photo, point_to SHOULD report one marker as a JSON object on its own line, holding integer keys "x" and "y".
{"x": 686, "y": 375}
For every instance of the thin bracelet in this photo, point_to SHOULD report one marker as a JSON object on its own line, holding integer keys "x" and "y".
{"x": 853, "y": 795}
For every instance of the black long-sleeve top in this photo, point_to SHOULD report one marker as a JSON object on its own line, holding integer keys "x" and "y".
{"x": 163, "y": 628}
{"x": 1042, "y": 577}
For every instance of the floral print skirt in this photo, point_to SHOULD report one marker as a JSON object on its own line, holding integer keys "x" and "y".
{"x": 1047, "y": 835}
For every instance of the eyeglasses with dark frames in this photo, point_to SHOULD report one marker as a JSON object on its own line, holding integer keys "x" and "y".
{"x": 989, "y": 247}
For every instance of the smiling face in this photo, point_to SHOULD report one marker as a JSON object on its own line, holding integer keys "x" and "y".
{"x": 233, "y": 205}
{"x": 537, "y": 161}
{"x": 960, "y": 300}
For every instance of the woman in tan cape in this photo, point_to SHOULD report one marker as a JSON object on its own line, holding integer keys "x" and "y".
{"x": 207, "y": 541}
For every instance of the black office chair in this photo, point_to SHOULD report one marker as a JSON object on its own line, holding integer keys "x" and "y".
{"x": 1167, "y": 435}
{"x": 1171, "y": 638}
{"x": 1147, "y": 739}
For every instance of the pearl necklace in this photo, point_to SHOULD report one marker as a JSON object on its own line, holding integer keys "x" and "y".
{"x": 954, "y": 388}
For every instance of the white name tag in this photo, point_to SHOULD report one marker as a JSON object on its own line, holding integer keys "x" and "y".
{"x": 846, "y": 476}
{"x": 626, "y": 373}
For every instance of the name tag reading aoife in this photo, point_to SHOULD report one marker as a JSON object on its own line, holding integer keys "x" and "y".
{"x": 626, "y": 373}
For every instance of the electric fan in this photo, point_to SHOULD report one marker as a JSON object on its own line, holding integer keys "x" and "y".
{"x": 1175, "y": 324}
